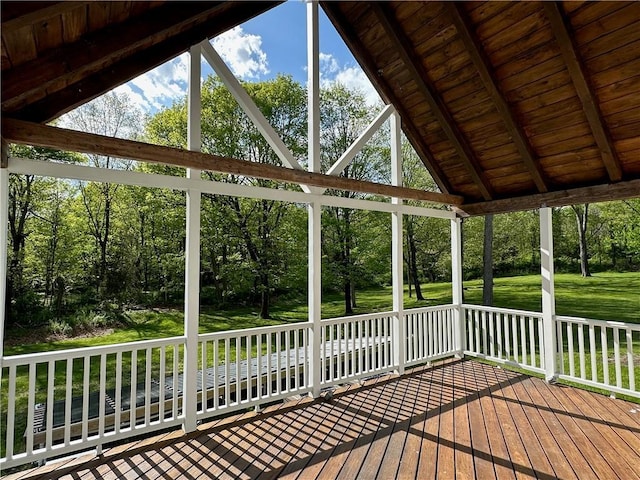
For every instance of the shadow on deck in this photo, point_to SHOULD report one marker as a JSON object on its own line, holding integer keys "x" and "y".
{"x": 456, "y": 419}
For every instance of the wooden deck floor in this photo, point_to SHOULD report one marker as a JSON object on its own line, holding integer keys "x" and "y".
{"x": 456, "y": 419}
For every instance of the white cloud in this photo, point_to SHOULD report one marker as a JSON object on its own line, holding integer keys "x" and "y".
{"x": 160, "y": 86}
{"x": 328, "y": 64}
{"x": 242, "y": 52}
{"x": 163, "y": 85}
{"x": 351, "y": 77}
{"x": 136, "y": 98}
{"x": 354, "y": 77}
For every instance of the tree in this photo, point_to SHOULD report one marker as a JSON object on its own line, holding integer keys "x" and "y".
{"x": 26, "y": 192}
{"x": 487, "y": 277}
{"x": 417, "y": 229}
{"x": 621, "y": 237}
{"x": 582, "y": 219}
{"x": 344, "y": 114}
{"x": 110, "y": 115}
{"x": 249, "y": 228}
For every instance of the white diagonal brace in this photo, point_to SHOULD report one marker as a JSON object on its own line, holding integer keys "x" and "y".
{"x": 361, "y": 141}
{"x": 249, "y": 107}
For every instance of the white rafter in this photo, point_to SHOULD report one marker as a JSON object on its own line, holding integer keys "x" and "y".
{"x": 250, "y": 108}
{"x": 361, "y": 141}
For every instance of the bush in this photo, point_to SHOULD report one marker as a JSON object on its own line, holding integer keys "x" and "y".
{"x": 60, "y": 328}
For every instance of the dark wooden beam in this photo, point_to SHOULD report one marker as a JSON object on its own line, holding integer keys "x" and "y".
{"x": 16, "y": 15}
{"x": 98, "y": 50}
{"x": 597, "y": 193}
{"x": 414, "y": 66}
{"x": 350, "y": 37}
{"x": 77, "y": 93}
{"x": 4, "y": 153}
{"x": 580, "y": 79}
{"x": 485, "y": 70}
{"x": 27, "y": 133}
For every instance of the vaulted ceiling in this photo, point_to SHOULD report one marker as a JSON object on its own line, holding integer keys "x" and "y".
{"x": 510, "y": 105}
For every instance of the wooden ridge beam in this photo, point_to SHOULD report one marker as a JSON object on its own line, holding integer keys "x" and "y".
{"x": 403, "y": 47}
{"x": 27, "y": 133}
{"x": 592, "y": 194}
{"x": 100, "y": 49}
{"x": 350, "y": 37}
{"x": 485, "y": 70}
{"x": 83, "y": 90}
{"x": 579, "y": 76}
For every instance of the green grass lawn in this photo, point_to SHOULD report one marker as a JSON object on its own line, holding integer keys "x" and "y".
{"x": 605, "y": 296}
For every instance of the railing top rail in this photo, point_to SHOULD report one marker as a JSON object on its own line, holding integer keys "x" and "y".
{"x": 39, "y": 357}
{"x": 434, "y": 308}
{"x": 604, "y": 323}
{"x": 253, "y": 331}
{"x": 356, "y": 318}
{"x": 512, "y": 311}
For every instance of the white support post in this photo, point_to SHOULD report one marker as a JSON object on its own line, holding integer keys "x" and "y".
{"x": 4, "y": 242}
{"x": 397, "y": 246}
{"x": 456, "y": 285}
{"x": 192, "y": 254}
{"x": 315, "y": 207}
{"x": 548, "y": 293}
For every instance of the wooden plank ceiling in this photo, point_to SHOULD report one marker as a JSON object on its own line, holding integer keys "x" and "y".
{"x": 58, "y": 55}
{"x": 510, "y": 105}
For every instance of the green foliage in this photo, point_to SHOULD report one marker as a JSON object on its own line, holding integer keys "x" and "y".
{"x": 78, "y": 247}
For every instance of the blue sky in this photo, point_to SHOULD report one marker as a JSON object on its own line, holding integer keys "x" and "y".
{"x": 272, "y": 43}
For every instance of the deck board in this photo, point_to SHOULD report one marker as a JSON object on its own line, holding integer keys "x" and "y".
{"x": 455, "y": 419}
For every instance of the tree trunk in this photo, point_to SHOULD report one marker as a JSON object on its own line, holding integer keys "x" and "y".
{"x": 348, "y": 306}
{"x": 582, "y": 219}
{"x": 487, "y": 277}
{"x": 413, "y": 265}
{"x": 264, "y": 296}
{"x": 406, "y": 260}
{"x": 20, "y": 198}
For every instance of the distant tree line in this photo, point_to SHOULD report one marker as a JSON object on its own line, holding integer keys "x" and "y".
{"x": 77, "y": 247}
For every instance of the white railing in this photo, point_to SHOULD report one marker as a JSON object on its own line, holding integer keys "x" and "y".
{"x": 429, "y": 334}
{"x": 246, "y": 368}
{"x": 356, "y": 347}
{"x": 505, "y": 336}
{"x": 599, "y": 353}
{"x": 55, "y": 403}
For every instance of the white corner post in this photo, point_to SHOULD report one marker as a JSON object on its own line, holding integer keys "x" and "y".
{"x": 192, "y": 254}
{"x": 4, "y": 243}
{"x": 456, "y": 285}
{"x": 397, "y": 247}
{"x": 548, "y": 293}
{"x": 315, "y": 207}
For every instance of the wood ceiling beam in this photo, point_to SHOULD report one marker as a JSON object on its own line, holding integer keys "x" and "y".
{"x": 485, "y": 70}
{"x": 580, "y": 79}
{"x": 27, "y": 133}
{"x": 414, "y": 66}
{"x": 102, "y": 81}
{"x": 597, "y": 193}
{"x": 98, "y": 50}
{"x": 4, "y": 153}
{"x": 16, "y": 15}
{"x": 350, "y": 37}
